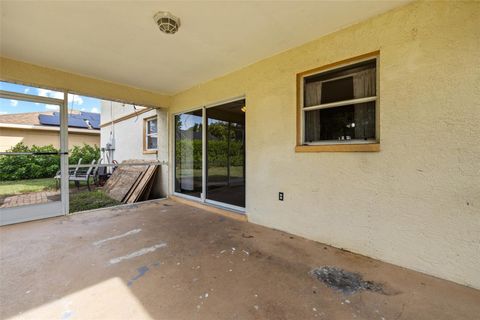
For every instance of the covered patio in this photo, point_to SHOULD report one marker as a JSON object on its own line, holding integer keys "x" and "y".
{"x": 297, "y": 160}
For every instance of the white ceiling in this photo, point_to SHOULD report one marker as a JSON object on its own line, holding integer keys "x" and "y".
{"x": 119, "y": 41}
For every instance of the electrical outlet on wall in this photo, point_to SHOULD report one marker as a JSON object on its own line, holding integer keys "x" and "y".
{"x": 280, "y": 196}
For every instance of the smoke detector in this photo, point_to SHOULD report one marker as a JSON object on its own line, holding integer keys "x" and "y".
{"x": 167, "y": 22}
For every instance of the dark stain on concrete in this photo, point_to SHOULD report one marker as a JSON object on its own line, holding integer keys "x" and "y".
{"x": 345, "y": 281}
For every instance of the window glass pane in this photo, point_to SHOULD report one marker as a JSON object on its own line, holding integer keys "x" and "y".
{"x": 31, "y": 178}
{"x": 20, "y": 114}
{"x": 18, "y": 88}
{"x": 29, "y": 113}
{"x": 151, "y": 142}
{"x": 337, "y": 90}
{"x": 226, "y": 153}
{"x": 188, "y": 153}
{"x": 356, "y": 121}
{"x": 152, "y": 126}
{"x": 351, "y": 82}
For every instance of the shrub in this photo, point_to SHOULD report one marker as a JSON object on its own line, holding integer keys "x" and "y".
{"x": 191, "y": 150}
{"x": 29, "y": 166}
{"x": 86, "y": 152}
{"x": 35, "y": 167}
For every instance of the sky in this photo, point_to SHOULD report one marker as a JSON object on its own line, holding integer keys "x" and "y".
{"x": 76, "y": 102}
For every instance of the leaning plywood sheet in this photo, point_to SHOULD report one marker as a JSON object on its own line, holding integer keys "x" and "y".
{"x": 111, "y": 182}
{"x": 146, "y": 193}
{"x": 123, "y": 180}
{"x": 114, "y": 178}
{"x": 134, "y": 187}
{"x": 149, "y": 174}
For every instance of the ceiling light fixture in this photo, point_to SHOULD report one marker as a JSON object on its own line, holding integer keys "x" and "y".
{"x": 167, "y": 22}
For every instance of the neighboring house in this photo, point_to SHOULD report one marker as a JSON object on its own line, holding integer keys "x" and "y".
{"x": 43, "y": 128}
{"x": 130, "y": 132}
{"x": 135, "y": 132}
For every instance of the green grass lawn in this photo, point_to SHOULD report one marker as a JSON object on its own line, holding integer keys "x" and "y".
{"x": 215, "y": 173}
{"x": 235, "y": 172}
{"x": 24, "y": 186}
{"x": 31, "y": 185}
{"x": 87, "y": 200}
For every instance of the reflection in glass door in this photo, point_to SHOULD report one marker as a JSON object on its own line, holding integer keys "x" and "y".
{"x": 226, "y": 153}
{"x": 188, "y": 153}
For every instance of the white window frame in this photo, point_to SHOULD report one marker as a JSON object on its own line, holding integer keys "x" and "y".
{"x": 147, "y": 135}
{"x": 340, "y": 103}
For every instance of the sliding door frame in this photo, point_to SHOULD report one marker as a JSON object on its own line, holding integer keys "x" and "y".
{"x": 203, "y": 194}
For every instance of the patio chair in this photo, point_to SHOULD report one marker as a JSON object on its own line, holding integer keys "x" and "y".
{"x": 83, "y": 175}
{"x": 71, "y": 172}
{"x": 95, "y": 174}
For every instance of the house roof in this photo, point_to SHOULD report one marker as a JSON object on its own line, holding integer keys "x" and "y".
{"x": 76, "y": 119}
{"x": 30, "y": 118}
{"x": 86, "y": 120}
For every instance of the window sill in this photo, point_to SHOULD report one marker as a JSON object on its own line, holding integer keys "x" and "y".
{"x": 149, "y": 151}
{"x": 364, "y": 147}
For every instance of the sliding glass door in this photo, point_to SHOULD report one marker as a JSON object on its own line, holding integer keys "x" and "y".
{"x": 188, "y": 153}
{"x": 226, "y": 154}
{"x": 210, "y": 154}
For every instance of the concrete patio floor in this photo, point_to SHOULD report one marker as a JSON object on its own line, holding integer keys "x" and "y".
{"x": 166, "y": 260}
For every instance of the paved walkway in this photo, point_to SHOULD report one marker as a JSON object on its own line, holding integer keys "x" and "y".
{"x": 28, "y": 199}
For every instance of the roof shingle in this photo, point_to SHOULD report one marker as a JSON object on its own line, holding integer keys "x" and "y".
{"x": 30, "y": 118}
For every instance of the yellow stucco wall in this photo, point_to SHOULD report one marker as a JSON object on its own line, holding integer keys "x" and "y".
{"x": 10, "y": 137}
{"x": 416, "y": 203}
{"x": 17, "y": 71}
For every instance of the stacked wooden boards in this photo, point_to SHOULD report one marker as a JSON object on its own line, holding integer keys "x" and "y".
{"x": 131, "y": 183}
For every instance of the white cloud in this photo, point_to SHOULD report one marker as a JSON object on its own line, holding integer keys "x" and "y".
{"x": 95, "y": 110}
{"x": 26, "y": 90}
{"x": 13, "y": 103}
{"x": 83, "y": 109}
{"x": 75, "y": 98}
{"x": 50, "y": 93}
{"x": 52, "y": 107}
{"x": 3, "y": 112}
